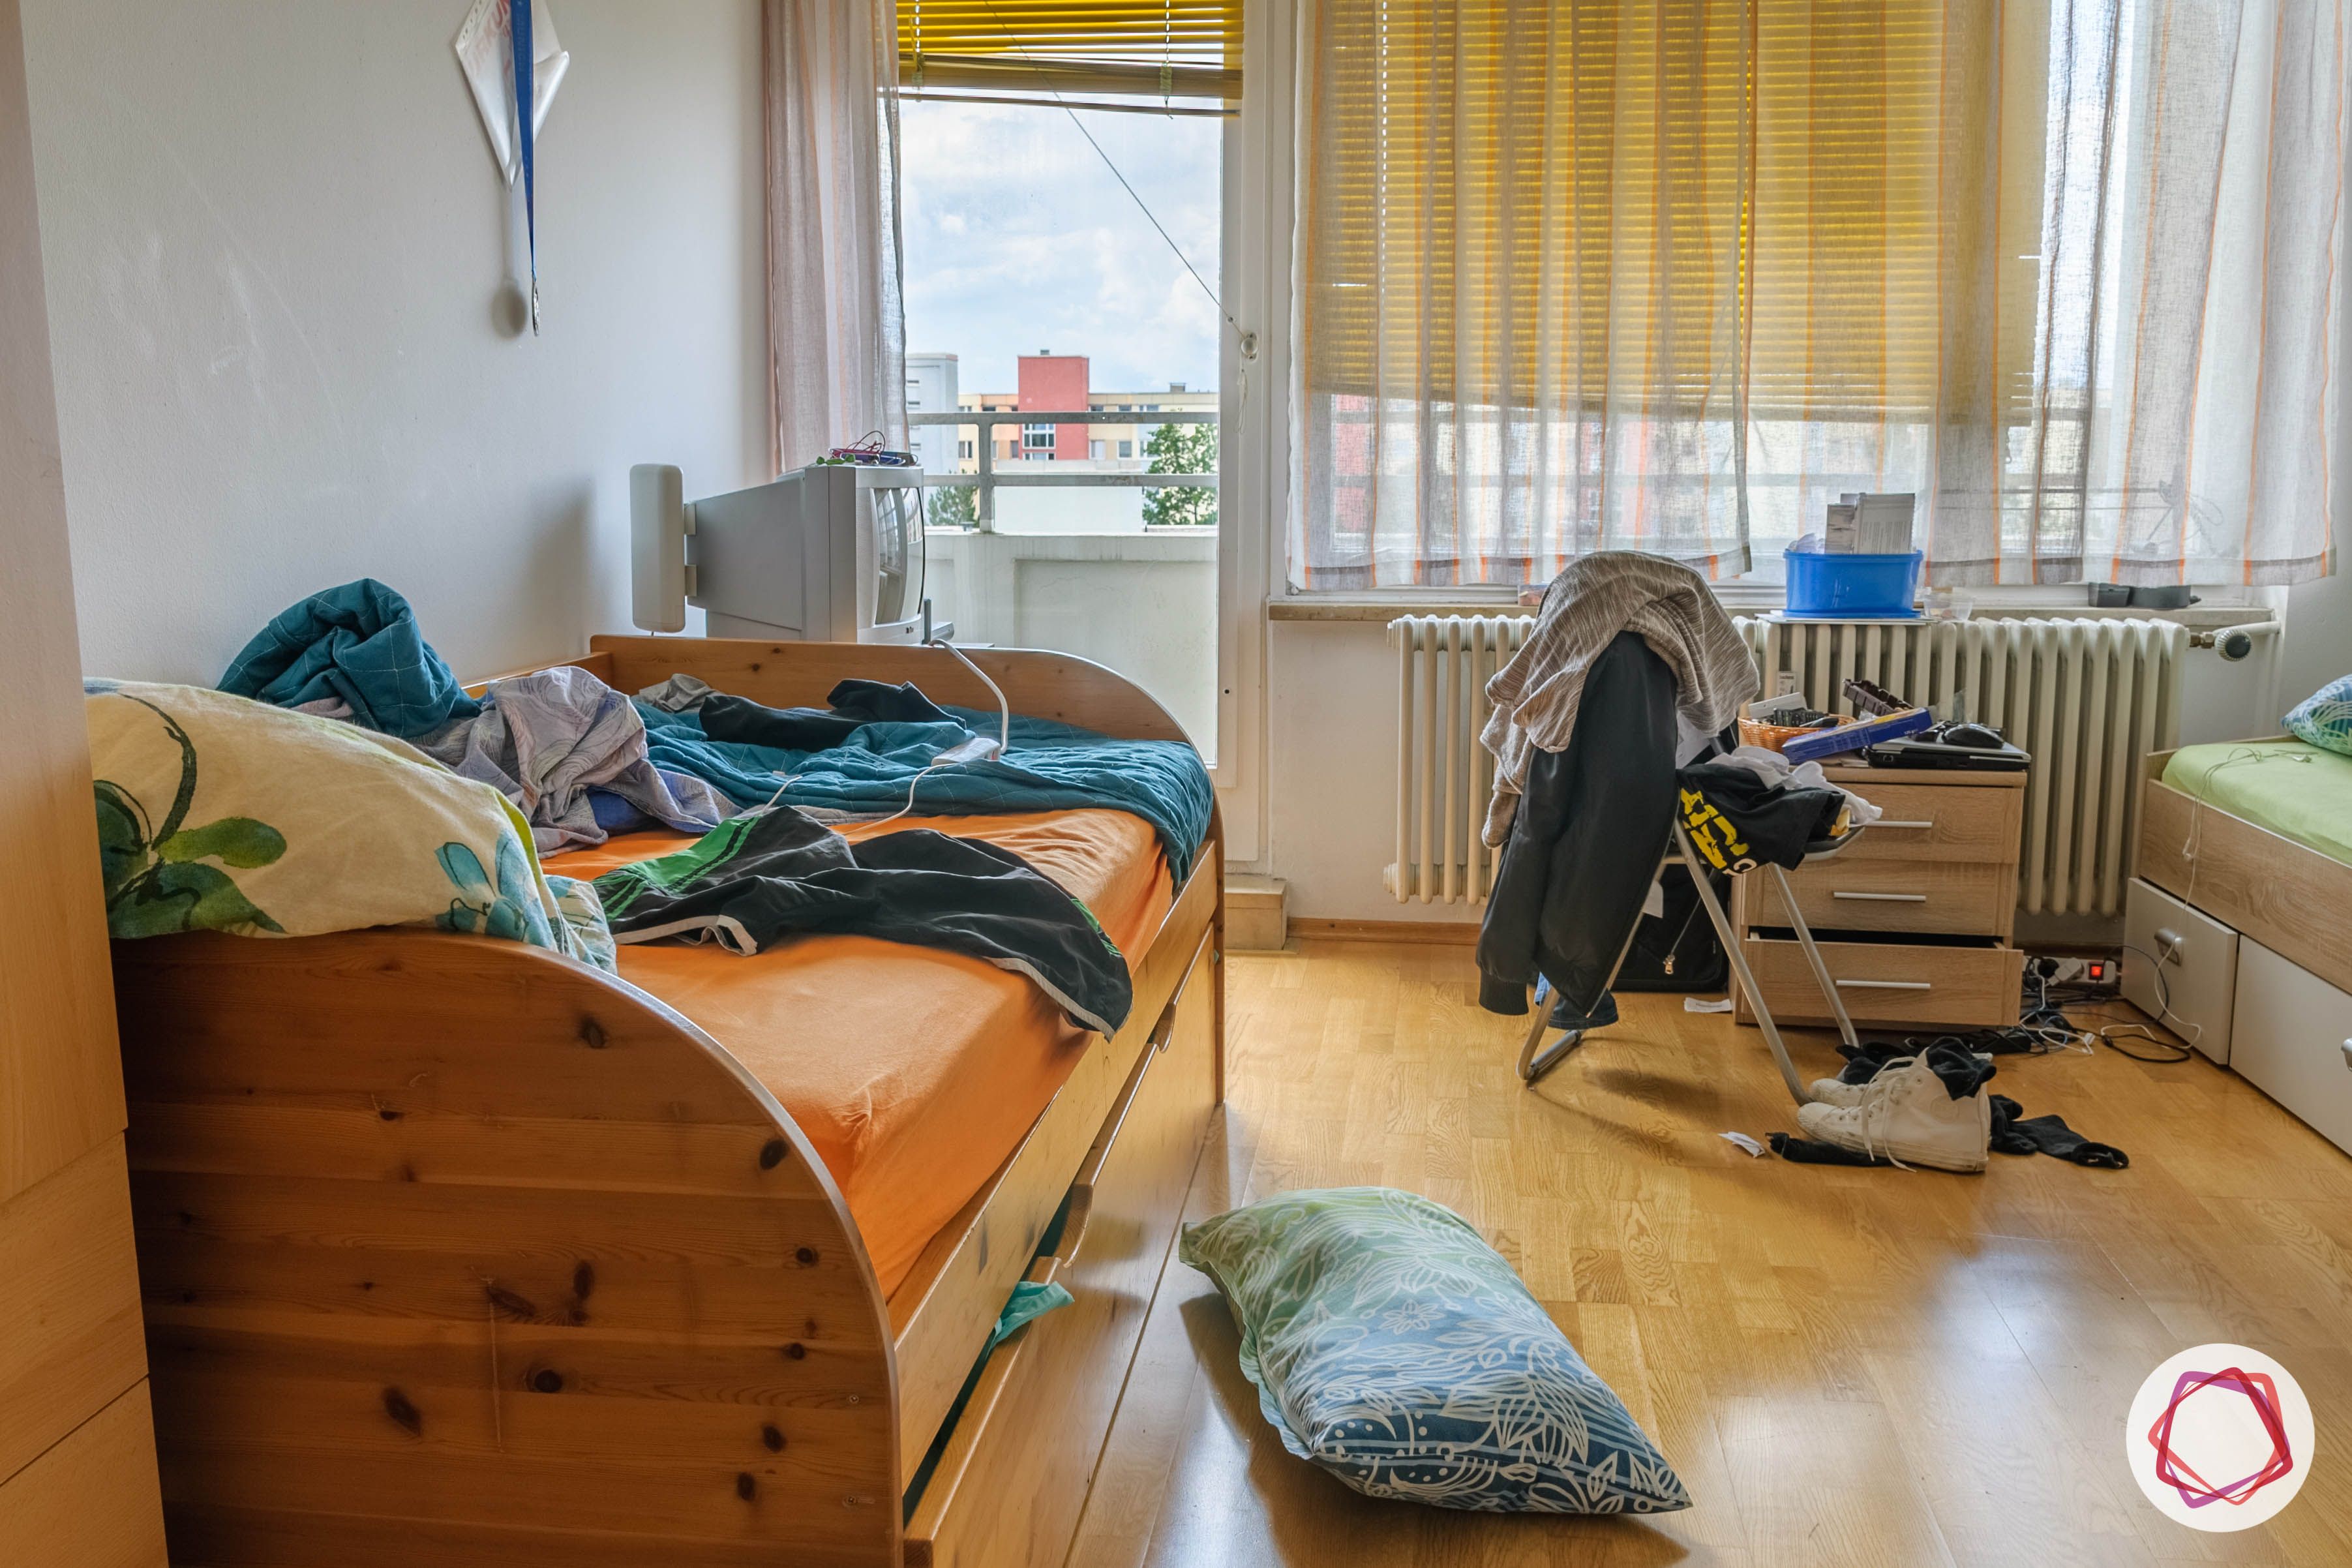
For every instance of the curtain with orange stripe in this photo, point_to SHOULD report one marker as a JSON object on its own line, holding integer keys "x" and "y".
{"x": 1672, "y": 274}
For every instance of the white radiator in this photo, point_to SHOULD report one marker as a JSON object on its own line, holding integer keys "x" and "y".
{"x": 2087, "y": 698}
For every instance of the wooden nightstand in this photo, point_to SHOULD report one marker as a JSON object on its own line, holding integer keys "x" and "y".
{"x": 1914, "y": 919}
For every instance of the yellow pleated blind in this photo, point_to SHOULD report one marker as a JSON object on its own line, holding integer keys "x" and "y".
{"x": 1151, "y": 48}
{"x": 1668, "y": 204}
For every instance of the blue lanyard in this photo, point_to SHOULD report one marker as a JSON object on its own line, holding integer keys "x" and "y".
{"x": 519, "y": 11}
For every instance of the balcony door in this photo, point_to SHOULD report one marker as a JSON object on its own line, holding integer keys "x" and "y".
{"x": 1065, "y": 376}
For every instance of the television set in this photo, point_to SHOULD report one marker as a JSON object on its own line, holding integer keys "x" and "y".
{"x": 832, "y": 553}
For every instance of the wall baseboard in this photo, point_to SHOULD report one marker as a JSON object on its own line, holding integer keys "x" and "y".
{"x": 1459, "y": 933}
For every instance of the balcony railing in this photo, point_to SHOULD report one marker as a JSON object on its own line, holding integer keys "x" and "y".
{"x": 988, "y": 480}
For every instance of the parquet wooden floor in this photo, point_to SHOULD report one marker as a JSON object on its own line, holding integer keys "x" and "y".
{"x": 1847, "y": 1366}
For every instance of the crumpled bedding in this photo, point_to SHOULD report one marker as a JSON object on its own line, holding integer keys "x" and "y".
{"x": 358, "y": 646}
{"x": 558, "y": 745}
{"x": 553, "y": 743}
{"x": 881, "y": 767}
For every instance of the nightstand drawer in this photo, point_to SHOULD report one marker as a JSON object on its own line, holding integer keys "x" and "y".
{"x": 1939, "y": 822}
{"x": 1934, "y": 898}
{"x": 1890, "y": 983}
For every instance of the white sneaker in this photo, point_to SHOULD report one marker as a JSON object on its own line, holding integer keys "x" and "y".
{"x": 1905, "y": 1114}
{"x": 1837, "y": 1091}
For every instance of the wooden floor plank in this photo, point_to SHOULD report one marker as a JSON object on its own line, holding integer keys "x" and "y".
{"x": 1868, "y": 1367}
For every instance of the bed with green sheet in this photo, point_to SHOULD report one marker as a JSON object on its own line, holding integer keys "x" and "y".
{"x": 2295, "y": 790}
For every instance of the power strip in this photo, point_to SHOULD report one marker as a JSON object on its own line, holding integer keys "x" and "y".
{"x": 2100, "y": 973}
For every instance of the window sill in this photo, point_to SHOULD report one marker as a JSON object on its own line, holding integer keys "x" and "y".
{"x": 1387, "y": 606}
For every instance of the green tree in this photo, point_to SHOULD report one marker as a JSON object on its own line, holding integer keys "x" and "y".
{"x": 955, "y": 506}
{"x": 1182, "y": 449}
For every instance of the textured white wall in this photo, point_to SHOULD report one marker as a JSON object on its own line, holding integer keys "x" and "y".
{"x": 273, "y": 233}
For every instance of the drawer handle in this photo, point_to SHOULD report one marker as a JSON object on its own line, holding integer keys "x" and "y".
{"x": 1882, "y": 897}
{"x": 1888, "y": 985}
{"x": 1890, "y": 822}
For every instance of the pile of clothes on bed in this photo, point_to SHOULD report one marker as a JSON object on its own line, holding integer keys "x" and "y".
{"x": 761, "y": 787}
{"x": 583, "y": 760}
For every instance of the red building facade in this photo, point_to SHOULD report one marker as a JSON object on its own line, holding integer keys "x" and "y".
{"x": 1057, "y": 383}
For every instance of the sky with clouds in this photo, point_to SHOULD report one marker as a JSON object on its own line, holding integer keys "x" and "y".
{"x": 1018, "y": 238}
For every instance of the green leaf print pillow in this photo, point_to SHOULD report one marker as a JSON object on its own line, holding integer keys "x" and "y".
{"x": 1394, "y": 1348}
{"x": 216, "y": 813}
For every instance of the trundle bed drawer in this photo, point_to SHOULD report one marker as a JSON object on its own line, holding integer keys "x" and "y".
{"x": 2292, "y": 1038}
{"x": 1933, "y": 898}
{"x": 1890, "y": 983}
{"x": 1012, "y": 1479}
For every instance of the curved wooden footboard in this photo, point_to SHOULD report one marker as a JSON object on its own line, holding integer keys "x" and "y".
{"x": 456, "y": 1252}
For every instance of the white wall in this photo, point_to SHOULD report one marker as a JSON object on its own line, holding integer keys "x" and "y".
{"x": 273, "y": 233}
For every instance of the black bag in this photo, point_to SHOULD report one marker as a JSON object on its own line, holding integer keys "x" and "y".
{"x": 1677, "y": 951}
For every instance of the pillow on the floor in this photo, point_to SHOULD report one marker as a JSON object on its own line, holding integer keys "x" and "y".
{"x": 1393, "y": 1347}
{"x": 2324, "y": 719}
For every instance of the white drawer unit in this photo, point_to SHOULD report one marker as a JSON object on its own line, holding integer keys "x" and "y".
{"x": 2199, "y": 958}
{"x": 2291, "y": 1038}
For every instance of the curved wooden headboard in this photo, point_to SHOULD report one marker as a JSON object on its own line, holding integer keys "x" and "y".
{"x": 1058, "y": 686}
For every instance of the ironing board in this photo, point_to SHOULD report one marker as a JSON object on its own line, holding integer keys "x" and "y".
{"x": 1536, "y": 1058}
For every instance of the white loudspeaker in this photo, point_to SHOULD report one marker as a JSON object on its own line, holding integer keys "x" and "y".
{"x": 659, "y": 524}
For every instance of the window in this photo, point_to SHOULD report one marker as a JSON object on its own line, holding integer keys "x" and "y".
{"x": 964, "y": 449}
{"x": 1028, "y": 258}
{"x": 1126, "y": 448}
{"x": 1672, "y": 278}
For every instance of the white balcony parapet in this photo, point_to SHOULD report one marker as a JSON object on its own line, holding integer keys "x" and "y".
{"x": 990, "y": 480}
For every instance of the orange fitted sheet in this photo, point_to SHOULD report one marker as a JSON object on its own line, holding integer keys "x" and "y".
{"x": 913, "y": 1070}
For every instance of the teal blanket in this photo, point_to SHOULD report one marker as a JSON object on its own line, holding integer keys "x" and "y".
{"x": 359, "y": 643}
{"x": 1047, "y": 767}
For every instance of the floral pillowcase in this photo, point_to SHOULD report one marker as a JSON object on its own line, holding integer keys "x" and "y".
{"x": 216, "y": 813}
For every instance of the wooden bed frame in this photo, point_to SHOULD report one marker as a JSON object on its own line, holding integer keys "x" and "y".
{"x": 456, "y": 1252}
{"x": 2258, "y": 883}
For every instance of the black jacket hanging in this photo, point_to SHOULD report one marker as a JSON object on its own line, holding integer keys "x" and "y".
{"x": 1591, "y": 825}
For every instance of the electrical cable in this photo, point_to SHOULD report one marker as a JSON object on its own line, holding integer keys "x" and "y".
{"x": 2044, "y": 1026}
{"x": 1003, "y": 709}
{"x": 2106, "y": 1036}
{"x": 2195, "y": 840}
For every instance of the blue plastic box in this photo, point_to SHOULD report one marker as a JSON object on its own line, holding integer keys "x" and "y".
{"x": 1825, "y": 586}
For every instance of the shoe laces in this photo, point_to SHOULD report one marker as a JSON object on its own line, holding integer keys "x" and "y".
{"x": 1877, "y": 1096}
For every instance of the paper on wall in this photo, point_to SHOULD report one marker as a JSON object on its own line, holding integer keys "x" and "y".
{"x": 482, "y": 45}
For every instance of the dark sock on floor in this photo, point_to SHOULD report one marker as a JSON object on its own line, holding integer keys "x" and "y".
{"x": 1863, "y": 1062}
{"x": 2013, "y": 1133}
{"x": 1806, "y": 1152}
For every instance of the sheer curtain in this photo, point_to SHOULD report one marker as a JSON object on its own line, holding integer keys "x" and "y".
{"x": 836, "y": 321}
{"x": 1672, "y": 274}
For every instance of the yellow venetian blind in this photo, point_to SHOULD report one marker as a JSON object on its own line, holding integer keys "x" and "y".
{"x": 1677, "y": 207}
{"x": 1151, "y": 48}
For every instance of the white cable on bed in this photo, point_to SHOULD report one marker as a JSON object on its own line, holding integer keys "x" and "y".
{"x": 1003, "y": 709}
{"x": 1003, "y": 739}
{"x": 2190, "y": 845}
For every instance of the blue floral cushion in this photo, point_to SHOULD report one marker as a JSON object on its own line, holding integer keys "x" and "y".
{"x": 1393, "y": 1347}
{"x": 2324, "y": 719}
